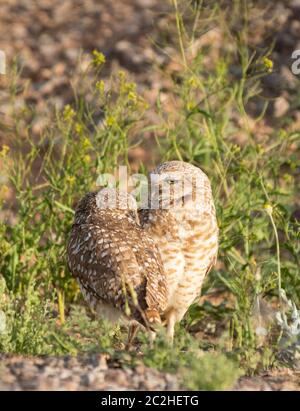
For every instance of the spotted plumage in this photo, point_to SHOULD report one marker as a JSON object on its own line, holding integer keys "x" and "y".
{"x": 116, "y": 263}
{"x": 181, "y": 219}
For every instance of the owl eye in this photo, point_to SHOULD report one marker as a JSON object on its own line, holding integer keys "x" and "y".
{"x": 173, "y": 180}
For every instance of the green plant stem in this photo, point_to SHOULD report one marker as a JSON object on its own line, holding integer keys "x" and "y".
{"x": 179, "y": 30}
{"x": 278, "y": 256}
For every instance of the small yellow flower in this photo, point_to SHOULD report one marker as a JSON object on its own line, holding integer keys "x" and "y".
{"x": 110, "y": 121}
{"x": 268, "y": 63}
{"x": 236, "y": 148}
{"x": 288, "y": 178}
{"x": 131, "y": 87}
{"x": 253, "y": 261}
{"x": 100, "y": 86}
{"x": 4, "y": 151}
{"x": 260, "y": 149}
{"x": 86, "y": 143}
{"x": 3, "y": 191}
{"x": 68, "y": 113}
{"x": 145, "y": 105}
{"x": 269, "y": 209}
{"x": 132, "y": 96}
{"x": 78, "y": 128}
{"x": 121, "y": 75}
{"x": 192, "y": 82}
{"x": 70, "y": 180}
{"x": 127, "y": 88}
{"x": 87, "y": 159}
{"x": 99, "y": 58}
{"x": 283, "y": 134}
{"x": 190, "y": 105}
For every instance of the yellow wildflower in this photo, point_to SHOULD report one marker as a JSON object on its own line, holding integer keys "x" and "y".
{"x": 4, "y": 151}
{"x": 86, "y": 143}
{"x": 268, "y": 63}
{"x": 87, "y": 159}
{"x": 100, "y": 86}
{"x": 70, "y": 180}
{"x": 132, "y": 96}
{"x": 260, "y": 149}
{"x": 288, "y": 178}
{"x": 192, "y": 81}
{"x": 110, "y": 121}
{"x": 68, "y": 113}
{"x": 190, "y": 105}
{"x": 235, "y": 148}
{"x": 121, "y": 75}
{"x": 3, "y": 191}
{"x": 268, "y": 207}
{"x": 78, "y": 128}
{"x": 128, "y": 88}
{"x": 99, "y": 58}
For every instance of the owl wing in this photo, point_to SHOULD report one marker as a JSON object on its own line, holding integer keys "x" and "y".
{"x": 114, "y": 265}
{"x": 150, "y": 260}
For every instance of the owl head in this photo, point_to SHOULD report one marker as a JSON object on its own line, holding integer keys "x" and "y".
{"x": 115, "y": 199}
{"x": 108, "y": 202}
{"x": 177, "y": 184}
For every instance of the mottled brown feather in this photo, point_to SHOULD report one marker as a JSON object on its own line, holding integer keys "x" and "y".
{"x": 116, "y": 261}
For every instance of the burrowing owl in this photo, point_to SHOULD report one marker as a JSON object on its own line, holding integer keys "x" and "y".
{"x": 181, "y": 219}
{"x": 117, "y": 265}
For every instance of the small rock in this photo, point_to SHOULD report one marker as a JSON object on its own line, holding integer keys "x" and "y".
{"x": 281, "y": 107}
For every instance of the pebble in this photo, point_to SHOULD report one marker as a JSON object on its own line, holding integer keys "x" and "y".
{"x": 281, "y": 107}
{"x": 78, "y": 373}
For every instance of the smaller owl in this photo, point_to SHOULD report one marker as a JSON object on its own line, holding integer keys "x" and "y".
{"x": 116, "y": 264}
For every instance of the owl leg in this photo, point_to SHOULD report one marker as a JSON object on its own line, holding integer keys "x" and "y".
{"x": 133, "y": 328}
{"x": 171, "y": 321}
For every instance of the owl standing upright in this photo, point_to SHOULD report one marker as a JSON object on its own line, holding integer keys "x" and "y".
{"x": 117, "y": 265}
{"x": 181, "y": 218}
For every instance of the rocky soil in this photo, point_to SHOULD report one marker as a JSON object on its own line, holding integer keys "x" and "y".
{"x": 47, "y": 36}
{"x": 93, "y": 373}
{"x": 86, "y": 373}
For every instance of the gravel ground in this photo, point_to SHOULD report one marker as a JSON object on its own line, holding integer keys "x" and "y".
{"x": 93, "y": 373}
{"x": 71, "y": 374}
{"x": 48, "y": 35}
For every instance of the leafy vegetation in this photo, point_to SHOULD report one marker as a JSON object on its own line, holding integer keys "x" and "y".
{"x": 209, "y": 124}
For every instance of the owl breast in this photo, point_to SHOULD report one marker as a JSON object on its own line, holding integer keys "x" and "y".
{"x": 188, "y": 243}
{"x": 199, "y": 245}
